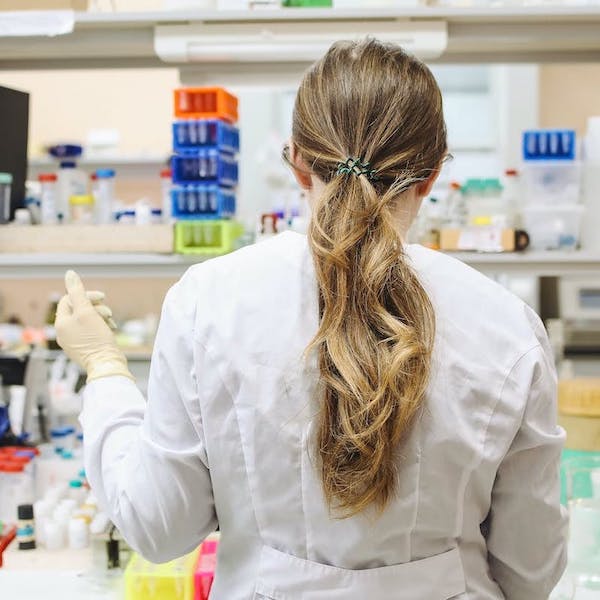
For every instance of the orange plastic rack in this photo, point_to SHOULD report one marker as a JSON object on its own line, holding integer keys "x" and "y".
{"x": 205, "y": 103}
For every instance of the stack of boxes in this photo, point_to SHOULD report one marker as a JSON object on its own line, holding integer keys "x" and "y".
{"x": 205, "y": 171}
{"x": 552, "y": 210}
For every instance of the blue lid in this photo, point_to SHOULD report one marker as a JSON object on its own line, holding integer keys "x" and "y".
{"x": 68, "y": 164}
{"x": 67, "y": 454}
{"x": 549, "y": 144}
{"x": 75, "y": 483}
{"x": 65, "y": 150}
{"x": 105, "y": 173}
{"x": 80, "y": 436}
{"x": 62, "y": 431}
{"x": 157, "y": 212}
{"x": 82, "y": 473}
{"x": 28, "y": 453}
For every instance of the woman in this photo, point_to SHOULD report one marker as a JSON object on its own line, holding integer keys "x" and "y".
{"x": 358, "y": 416}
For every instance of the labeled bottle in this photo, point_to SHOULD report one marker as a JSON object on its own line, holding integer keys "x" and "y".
{"x": 48, "y": 200}
{"x": 71, "y": 182}
{"x": 26, "y": 527}
{"x": 105, "y": 196}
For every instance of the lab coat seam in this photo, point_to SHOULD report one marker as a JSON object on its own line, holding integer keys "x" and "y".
{"x": 244, "y": 450}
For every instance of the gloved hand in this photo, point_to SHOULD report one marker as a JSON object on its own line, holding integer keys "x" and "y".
{"x": 83, "y": 334}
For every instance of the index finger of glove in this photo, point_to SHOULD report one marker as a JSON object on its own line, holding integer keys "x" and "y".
{"x": 76, "y": 290}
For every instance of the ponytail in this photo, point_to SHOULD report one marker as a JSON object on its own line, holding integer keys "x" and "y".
{"x": 374, "y": 343}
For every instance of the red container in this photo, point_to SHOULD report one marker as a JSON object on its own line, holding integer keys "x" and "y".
{"x": 205, "y": 103}
{"x": 204, "y": 572}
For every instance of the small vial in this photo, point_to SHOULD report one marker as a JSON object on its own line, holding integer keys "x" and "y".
{"x": 213, "y": 165}
{"x": 181, "y": 134}
{"x": 78, "y": 533}
{"x": 213, "y": 201}
{"x": 191, "y": 201}
{"x": 26, "y": 528}
{"x": 165, "y": 184}
{"x": 203, "y": 167}
{"x": 181, "y": 201}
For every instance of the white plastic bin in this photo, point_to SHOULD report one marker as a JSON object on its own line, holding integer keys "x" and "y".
{"x": 549, "y": 182}
{"x": 553, "y": 227}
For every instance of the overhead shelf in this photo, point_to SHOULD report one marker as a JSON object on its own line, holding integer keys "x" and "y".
{"x": 34, "y": 266}
{"x": 532, "y": 34}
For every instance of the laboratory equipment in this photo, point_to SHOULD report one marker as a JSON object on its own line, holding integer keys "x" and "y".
{"x": 48, "y": 200}
{"x": 583, "y": 493}
{"x": 551, "y": 173}
{"x": 173, "y": 580}
{"x": 191, "y": 134}
{"x": 26, "y": 527}
{"x": 22, "y": 217}
{"x": 553, "y": 227}
{"x": 207, "y": 237}
{"x": 207, "y": 165}
{"x": 81, "y": 209}
{"x": 104, "y": 197}
{"x": 71, "y": 182}
{"x": 590, "y": 240}
{"x": 204, "y": 572}
{"x": 205, "y": 103}
{"x": 14, "y": 125}
{"x": 5, "y": 187}
{"x": 204, "y": 201}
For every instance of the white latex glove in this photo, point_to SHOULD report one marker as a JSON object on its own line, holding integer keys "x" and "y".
{"x": 83, "y": 334}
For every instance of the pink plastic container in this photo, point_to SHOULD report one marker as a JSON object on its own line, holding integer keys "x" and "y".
{"x": 204, "y": 573}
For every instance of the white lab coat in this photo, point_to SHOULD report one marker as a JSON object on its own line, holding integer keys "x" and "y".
{"x": 226, "y": 438}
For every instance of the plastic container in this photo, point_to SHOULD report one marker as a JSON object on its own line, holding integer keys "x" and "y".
{"x": 205, "y": 103}
{"x": 206, "y": 166}
{"x": 78, "y": 533}
{"x": 49, "y": 193}
{"x": 206, "y": 565}
{"x": 5, "y": 185}
{"x": 165, "y": 186}
{"x": 81, "y": 209}
{"x": 553, "y": 227}
{"x": 105, "y": 196}
{"x": 191, "y": 135}
{"x": 549, "y": 144}
{"x": 26, "y": 530}
{"x": 550, "y": 183}
{"x": 206, "y": 237}
{"x": 169, "y": 581}
{"x": 71, "y": 182}
{"x": 202, "y": 202}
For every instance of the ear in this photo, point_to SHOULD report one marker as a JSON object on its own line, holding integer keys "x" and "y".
{"x": 300, "y": 168}
{"x": 424, "y": 187}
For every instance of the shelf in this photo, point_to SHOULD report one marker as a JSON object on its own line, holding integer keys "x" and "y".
{"x": 53, "y": 266}
{"x": 532, "y": 34}
{"x": 34, "y": 266}
{"x": 541, "y": 264}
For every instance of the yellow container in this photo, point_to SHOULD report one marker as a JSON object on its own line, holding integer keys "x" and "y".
{"x": 169, "y": 581}
{"x": 81, "y": 209}
{"x": 579, "y": 408}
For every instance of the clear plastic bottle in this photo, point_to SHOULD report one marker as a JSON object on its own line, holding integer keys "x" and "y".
{"x": 71, "y": 182}
{"x": 105, "y": 196}
{"x": 49, "y": 198}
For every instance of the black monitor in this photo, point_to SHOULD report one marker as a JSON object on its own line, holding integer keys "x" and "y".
{"x": 14, "y": 126}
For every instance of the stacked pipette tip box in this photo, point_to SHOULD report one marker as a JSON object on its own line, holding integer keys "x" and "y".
{"x": 204, "y": 168}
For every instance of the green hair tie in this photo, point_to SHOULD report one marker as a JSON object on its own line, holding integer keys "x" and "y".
{"x": 358, "y": 167}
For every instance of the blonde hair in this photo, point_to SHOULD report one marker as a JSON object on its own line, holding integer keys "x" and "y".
{"x": 369, "y": 100}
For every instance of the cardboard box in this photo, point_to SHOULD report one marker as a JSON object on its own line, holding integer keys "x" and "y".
{"x": 483, "y": 239}
{"x": 16, "y": 5}
{"x": 87, "y": 238}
